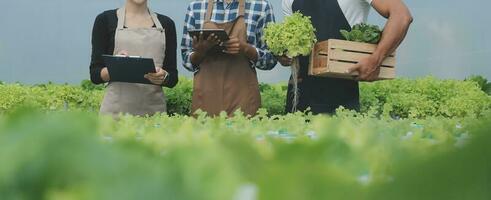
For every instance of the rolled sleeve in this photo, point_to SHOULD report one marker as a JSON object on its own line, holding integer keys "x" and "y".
{"x": 187, "y": 62}
{"x": 266, "y": 60}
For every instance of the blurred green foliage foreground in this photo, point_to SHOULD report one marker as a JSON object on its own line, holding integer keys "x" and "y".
{"x": 80, "y": 156}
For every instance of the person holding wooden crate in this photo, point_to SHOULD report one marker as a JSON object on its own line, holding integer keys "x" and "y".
{"x": 226, "y": 80}
{"x": 324, "y": 94}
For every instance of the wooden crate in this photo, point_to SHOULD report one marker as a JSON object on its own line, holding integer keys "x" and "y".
{"x": 333, "y": 57}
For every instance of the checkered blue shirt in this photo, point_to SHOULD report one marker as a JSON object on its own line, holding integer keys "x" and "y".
{"x": 258, "y": 13}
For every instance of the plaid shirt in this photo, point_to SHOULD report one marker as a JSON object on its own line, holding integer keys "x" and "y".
{"x": 258, "y": 13}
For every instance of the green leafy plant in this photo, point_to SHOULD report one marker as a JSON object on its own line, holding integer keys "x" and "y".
{"x": 294, "y": 37}
{"x": 363, "y": 33}
{"x": 273, "y": 98}
{"x": 405, "y": 98}
{"x": 400, "y": 98}
{"x": 179, "y": 98}
{"x": 88, "y": 85}
{"x": 481, "y": 82}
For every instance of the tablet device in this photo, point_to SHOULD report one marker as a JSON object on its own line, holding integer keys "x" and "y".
{"x": 129, "y": 69}
{"x": 222, "y": 35}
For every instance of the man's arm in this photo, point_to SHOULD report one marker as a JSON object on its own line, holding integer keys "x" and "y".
{"x": 396, "y": 28}
{"x": 187, "y": 41}
{"x": 194, "y": 50}
{"x": 265, "y": 60}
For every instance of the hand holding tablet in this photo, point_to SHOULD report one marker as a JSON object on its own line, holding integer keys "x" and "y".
{"x": 207, "y": 39}
{"x": 129, "y": 69}
{"x": 205, "y": 33}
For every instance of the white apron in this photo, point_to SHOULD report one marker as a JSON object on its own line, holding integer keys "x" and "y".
{"x": 133, "y": 98}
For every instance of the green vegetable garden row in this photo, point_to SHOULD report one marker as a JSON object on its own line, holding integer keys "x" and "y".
{"x": 402, "y": 98}
{"x": 414, "y": 139}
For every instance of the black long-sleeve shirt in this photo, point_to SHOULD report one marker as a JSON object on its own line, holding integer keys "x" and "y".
{"x": 103, "y": 43}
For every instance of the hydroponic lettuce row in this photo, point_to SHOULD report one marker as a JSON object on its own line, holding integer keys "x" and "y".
{"x": 363, "y": 33}
{"x": 400, "y": 98}
{"x": 294, "y": 37}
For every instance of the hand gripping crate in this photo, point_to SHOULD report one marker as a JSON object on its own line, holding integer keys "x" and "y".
{"x": 333, "y": 57}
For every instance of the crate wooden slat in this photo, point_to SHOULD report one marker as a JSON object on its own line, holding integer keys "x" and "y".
{"x": 338, "y": 70}
{"x": 332, "y": 58}
{"x": 354, "y": 57}
{"x": 353, "y": 46}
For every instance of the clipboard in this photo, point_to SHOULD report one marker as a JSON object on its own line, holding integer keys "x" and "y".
{"x": 129, "y": 69}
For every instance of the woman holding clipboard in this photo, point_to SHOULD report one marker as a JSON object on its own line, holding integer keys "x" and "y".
{"x": 134, "y": 30}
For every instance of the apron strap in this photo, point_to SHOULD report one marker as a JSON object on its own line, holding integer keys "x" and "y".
{"x": 209, "y": 11}
{"x": 241, "y": 13}
{"x": 156, "y": 21}
{"x": 241, "y": 8}
{"x": 121, "y": 13}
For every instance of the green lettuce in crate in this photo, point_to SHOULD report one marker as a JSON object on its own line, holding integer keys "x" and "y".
{"x": 294, "y": 37}
{"x": 363, "y": 33}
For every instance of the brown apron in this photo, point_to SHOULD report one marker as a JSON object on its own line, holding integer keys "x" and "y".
{"x": 132, "y": 98}
{"x": 226, "y": 82}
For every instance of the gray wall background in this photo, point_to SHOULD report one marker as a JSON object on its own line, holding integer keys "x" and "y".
{"x": 49, "y": 40}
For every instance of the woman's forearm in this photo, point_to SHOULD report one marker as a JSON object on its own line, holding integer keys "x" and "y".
{"x": 100, "y": 43}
